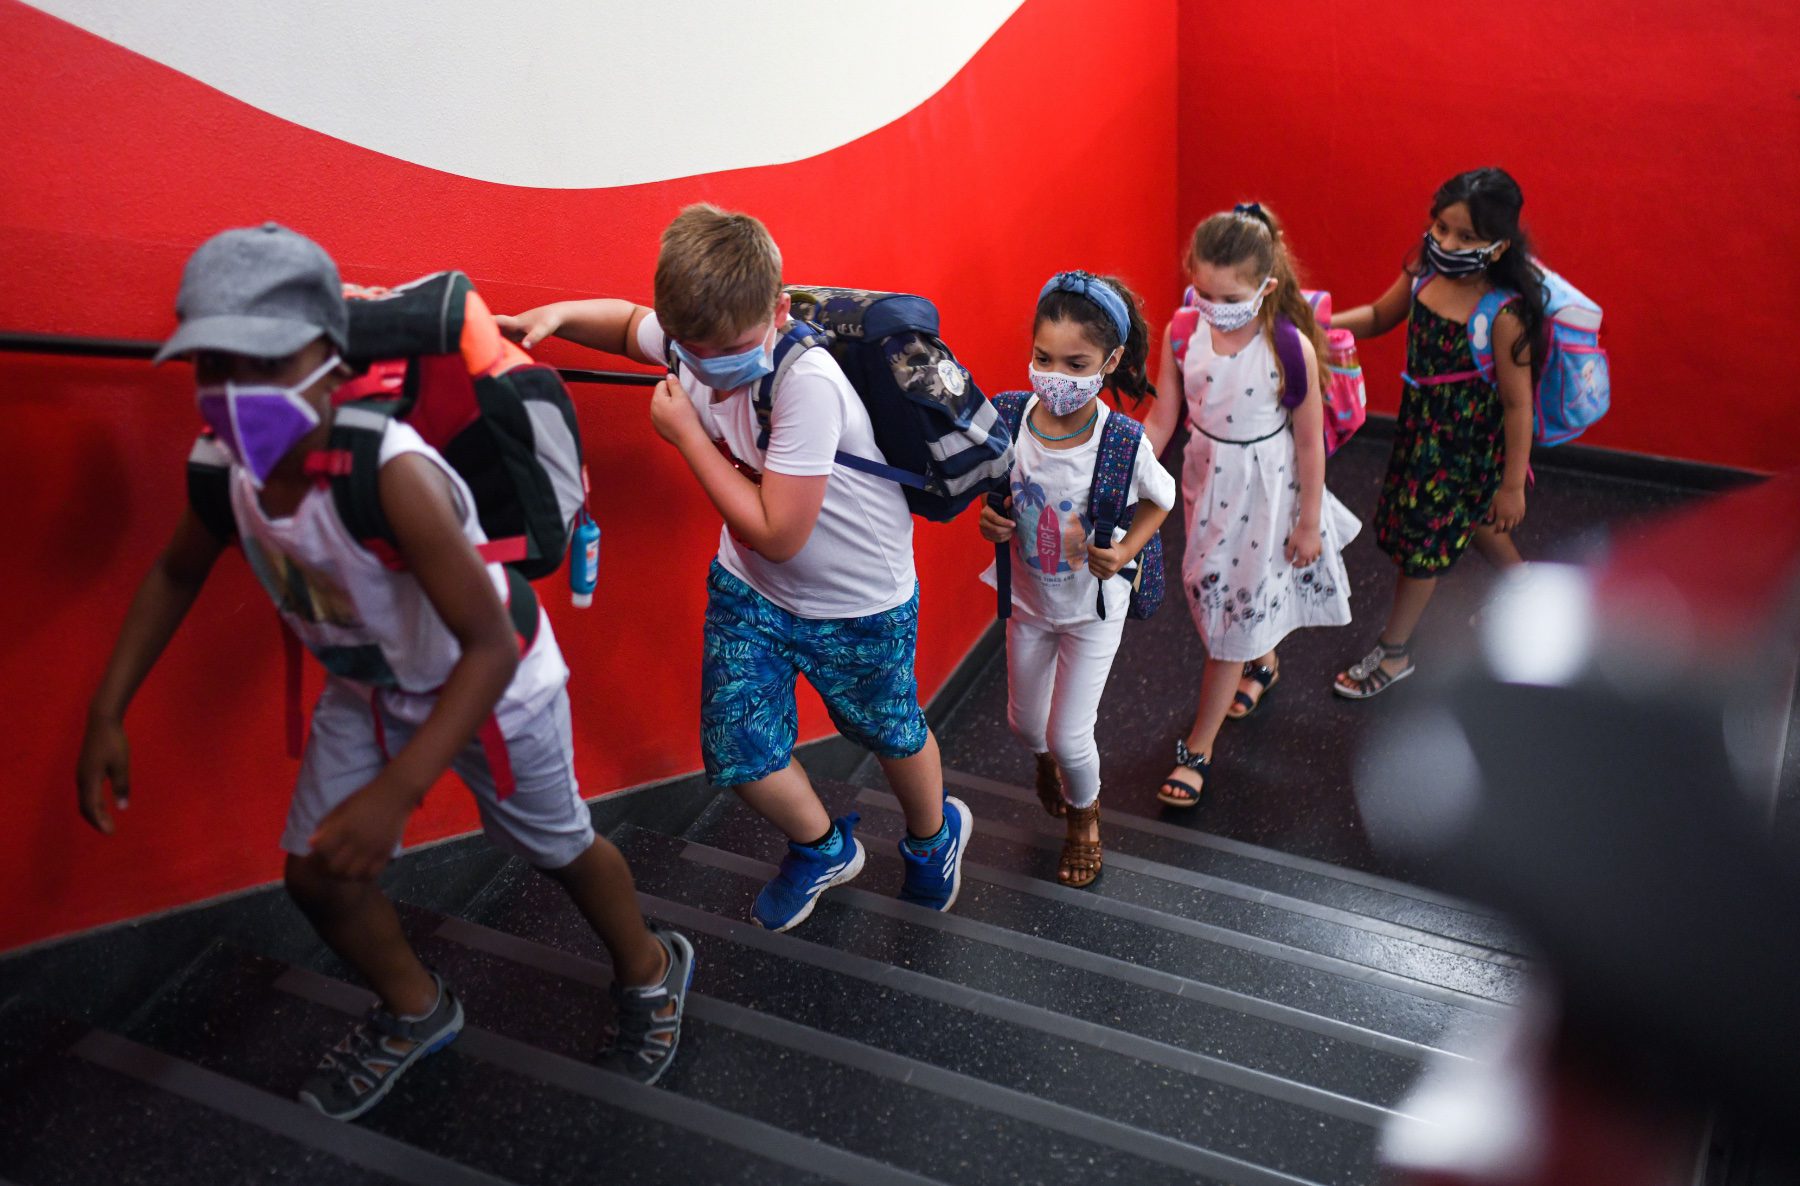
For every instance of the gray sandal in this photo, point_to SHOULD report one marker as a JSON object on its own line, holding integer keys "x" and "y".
{"x": 644, "y": 1039}
{"x": 1368, "y": 677}
{"x": 358, "y": 1072}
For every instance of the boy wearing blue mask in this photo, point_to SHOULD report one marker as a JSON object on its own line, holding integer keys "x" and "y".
{"x": 425, "y": 669}
{"x": 814, "y": 574}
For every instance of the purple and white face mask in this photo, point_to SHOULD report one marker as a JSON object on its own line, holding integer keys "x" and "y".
{"x": 1064, "y": 394}
{"x": 259, "y": 423}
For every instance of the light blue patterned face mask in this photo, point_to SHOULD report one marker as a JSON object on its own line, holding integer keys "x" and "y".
{"x": 728, "y": 372}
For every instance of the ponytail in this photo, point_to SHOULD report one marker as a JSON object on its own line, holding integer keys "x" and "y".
{"x": 1251, "y": 234}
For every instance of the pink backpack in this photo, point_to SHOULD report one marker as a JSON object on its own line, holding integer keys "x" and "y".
{"x": 1341, "y": 378}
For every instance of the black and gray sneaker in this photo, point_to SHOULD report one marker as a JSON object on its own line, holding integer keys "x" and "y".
{"x": 355, "y": 1074}
{"x": 649, "y": 1018}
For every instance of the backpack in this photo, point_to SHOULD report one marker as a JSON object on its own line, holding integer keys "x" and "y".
{"x": 938, "y": 434}
{"x": 1114, "y": 464}
{"x": 1574, "y": 385}
{"x": 436, "y": 360}
{"x": 1346, "y": 395}
{"x": 1341, "y": 379}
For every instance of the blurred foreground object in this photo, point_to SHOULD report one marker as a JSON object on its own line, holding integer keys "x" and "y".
{"x": 1605, "y": 771}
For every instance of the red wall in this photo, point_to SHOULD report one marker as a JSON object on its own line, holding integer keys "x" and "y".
{"x": 1658, "y": 147}
{"x": 117, "y": 167}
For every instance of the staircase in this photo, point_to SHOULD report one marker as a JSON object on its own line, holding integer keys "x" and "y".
{"x": 1209, "y": 1011}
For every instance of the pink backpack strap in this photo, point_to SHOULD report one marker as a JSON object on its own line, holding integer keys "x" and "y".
{"x": 1181, "y": 331}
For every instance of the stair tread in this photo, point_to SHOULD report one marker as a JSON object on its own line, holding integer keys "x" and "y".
{"x": 1174, "y": 841}
{"x": 791, "y": 1075}
{"x": 1306, "y": 927}
{"x": 72, "y": 1122}
{"x": 908, "y": 1011}
{"x": 236, "y": 1014}
{"x": 1370, "y": 998}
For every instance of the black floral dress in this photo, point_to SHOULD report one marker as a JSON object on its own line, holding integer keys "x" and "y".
{"x": 1449, "y": 452}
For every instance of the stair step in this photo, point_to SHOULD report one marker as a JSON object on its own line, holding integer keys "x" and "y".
{"x": 90, "y": 1108}
{"x": 1184, "y": 845}
{"x": 1230, "y": 912}
{"x": 1373, "y": 998}
{"x": 1285, "y": 1126}
{"x": 890, "y": 1107}
{"x": 489, "y": 1103}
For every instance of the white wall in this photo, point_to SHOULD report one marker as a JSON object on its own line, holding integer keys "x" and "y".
{"x": 564, "y": 93}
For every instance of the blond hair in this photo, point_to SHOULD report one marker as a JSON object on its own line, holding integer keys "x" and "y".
{"x": 717, "y": 275}
{"x": 1250, "y": 234}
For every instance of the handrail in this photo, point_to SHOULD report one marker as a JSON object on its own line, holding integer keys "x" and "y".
{"x": 73, "y": 346}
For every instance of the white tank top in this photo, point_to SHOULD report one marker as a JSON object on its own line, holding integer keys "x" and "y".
{"x": 367, "y": 623}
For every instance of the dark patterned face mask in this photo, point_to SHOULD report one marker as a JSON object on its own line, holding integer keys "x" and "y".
{"x": 1466, "y": 262}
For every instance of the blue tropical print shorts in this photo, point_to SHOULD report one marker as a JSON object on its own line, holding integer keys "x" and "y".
{"x": 862, "y": 669}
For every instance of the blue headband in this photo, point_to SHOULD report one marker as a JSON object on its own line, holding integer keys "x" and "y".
{"x": 1096, "y": 290}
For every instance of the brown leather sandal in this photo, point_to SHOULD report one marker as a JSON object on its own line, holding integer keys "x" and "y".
{"x": 1049, "y": 786}
{"x": 1080, "y": 862}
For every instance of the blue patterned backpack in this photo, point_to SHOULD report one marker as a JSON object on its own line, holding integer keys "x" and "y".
{"x": 1114, "y": 464}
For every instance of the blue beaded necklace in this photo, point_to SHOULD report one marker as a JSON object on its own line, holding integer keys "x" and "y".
{"x": 1068, "y": 436}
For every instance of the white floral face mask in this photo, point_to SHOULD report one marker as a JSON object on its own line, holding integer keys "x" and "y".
{"x": 1226, "y": 318}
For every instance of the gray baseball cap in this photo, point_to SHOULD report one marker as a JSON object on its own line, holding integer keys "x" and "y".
{"x": 262, "y": 291}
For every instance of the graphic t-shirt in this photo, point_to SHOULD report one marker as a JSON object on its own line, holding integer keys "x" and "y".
{"x": 1051, "y": 581}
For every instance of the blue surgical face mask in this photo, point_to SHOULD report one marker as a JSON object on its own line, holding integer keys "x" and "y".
{"x": 728, "y": 372}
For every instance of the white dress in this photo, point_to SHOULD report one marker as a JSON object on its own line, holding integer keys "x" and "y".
{"x": 1241, "y": 495}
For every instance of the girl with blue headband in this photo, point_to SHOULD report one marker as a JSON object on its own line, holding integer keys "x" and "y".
{"x": 1264, "y": 537}
{"x": 1067, "y": 614}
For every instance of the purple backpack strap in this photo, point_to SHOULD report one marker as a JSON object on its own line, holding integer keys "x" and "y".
{"x": 1293, "y": 362}
{"x": 1010, "y": 406}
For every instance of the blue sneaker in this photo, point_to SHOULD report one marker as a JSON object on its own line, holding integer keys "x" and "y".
{"x": 786, "y": 901}
{"x": 934, "y": 879}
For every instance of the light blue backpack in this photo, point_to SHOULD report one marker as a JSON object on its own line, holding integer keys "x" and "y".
{"x": 1574, "y": 388}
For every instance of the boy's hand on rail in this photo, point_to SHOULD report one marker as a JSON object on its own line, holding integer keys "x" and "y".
{"x": 530, "y": 327}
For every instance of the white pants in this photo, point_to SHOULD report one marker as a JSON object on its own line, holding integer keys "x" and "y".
{"x": 1054, "y": 677}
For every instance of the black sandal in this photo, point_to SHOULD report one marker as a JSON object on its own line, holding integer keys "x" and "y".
{"x": 1369, "y": 676}
{"x": 1183, "y": 794}
{"x": 1265, "y": 675}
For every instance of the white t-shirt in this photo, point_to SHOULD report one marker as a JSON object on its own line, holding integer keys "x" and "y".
{"x": 859, "y": 558}
{"x": 1050, "y": 577}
